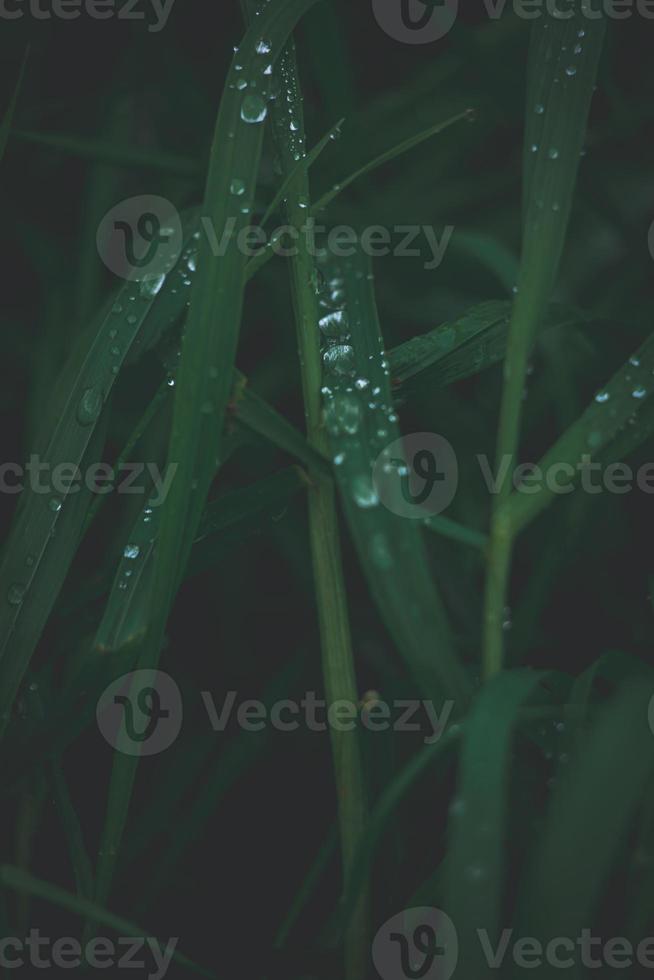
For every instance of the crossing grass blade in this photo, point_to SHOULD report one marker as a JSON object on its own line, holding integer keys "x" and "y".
{"x": 26, "y": 884}
{"x": 617, "y": 420}
{"x": 209, "y": 348}
{"x": 455, "y": 351}
{"x": 79, "y": 857}
{"x": 362, "y": 424}
{"x": 562, "y": 68}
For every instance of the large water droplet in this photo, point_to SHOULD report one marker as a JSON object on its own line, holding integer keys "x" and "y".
{"x": 340, "y": 359}
{"x": 131, "y": 551}
{"x": 89, "y": 407}
{"x": 253, "y": 109}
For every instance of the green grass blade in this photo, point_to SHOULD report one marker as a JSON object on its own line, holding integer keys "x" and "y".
{"x": 623, "y": 402}
{"x": 583, "y": 836}
{"x": 478, "y": 823}
{"x": 563, "y": 63}
{"x": 300, "y": 168}
{"x": 205, "y": 376}
{"x": 362, "y": 424}
{"x": 26, "y": 884}
{"x": 391, "y": 154}
{"x": 99, "y": 151}
{"x": 8, "y": 118}
{"x": 335, "y": 639}
{"x": 79, "y": 857}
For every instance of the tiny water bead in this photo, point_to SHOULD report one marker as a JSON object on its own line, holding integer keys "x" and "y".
{"x": 639, "y": 392}
{"x": 553, "y": 154}
{"x": 55, "y": 505}
{"x": 571, "y": 71}
{"x": 89, "y": 406}
{"x": 131, "y": 551}
{"x": 16, "y": 594}
{"x": 237, "y": 187}
{"x": 601, "y": 397}
{"x": 253, "y": 109}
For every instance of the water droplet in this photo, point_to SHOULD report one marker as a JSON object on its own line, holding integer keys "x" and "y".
{"x": 339, "y": 359}
{"x": 363, "y": 493}
{"x": 132, "y": 320}
{"x": 15, "y": 594}
{"x": 335, "y": 324}
{"x": 151, "y": 286}
{"x": 553, "y": 154}
{"x": 264, "y": 47}
{"x": 89, "y": 406}
{"x": 571, "y": 71}
{"x": 639, "y": 392}
{"x": 55, "y": 505}
{"x": 540, "y": 109}
{"x": 237, "y": 187}
{"x": 253, "y": 109}
{"x": 601, "y": 397}
{"x": 131, "y": 551}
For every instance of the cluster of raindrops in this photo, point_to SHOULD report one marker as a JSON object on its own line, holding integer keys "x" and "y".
{"x": 351, "y": 399}
{"x": 619, "y": 406}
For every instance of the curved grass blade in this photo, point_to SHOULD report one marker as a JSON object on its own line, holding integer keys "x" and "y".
{"x": 583, "y": 836}
{"x": 26, "y": 884}
{"x": 361, "y": 423}
{"x": 563, "y": 63}
{"x": 474, "y": 875}
{"x": 208, "y": 353}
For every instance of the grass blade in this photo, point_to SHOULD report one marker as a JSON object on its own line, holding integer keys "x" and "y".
{"x": 205, "y": 376}
{"x": 27, "y": 884}
{"x": 563, "y": 63}
{"x": 8, "y": 118}
{"x": 362, "y": 425}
